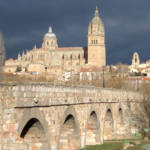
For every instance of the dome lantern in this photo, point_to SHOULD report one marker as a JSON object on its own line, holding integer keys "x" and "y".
{"x": 50, "y": 33}
{"x": 50, "y": 40}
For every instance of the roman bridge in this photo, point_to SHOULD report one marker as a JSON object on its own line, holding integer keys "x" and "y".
{"x": 40, "y": 116}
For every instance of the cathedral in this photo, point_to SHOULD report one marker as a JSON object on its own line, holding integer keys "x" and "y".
{"x": 51, "y": 58}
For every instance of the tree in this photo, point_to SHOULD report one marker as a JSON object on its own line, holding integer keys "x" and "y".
{"x": 2, "y": 50}
{"x": 2, "y": 55}
{"x": 18, "y": 69}
{"x": 145, "y": 87}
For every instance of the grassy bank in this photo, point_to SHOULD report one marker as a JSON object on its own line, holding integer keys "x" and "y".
{"x": 106, "y": 146}
{"x": 119, "y": 145}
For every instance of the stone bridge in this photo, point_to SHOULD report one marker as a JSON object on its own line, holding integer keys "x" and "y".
{"x": 46, "y": 117}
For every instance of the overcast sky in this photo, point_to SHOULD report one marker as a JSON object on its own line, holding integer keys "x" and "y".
{"x": 127, "y": 25}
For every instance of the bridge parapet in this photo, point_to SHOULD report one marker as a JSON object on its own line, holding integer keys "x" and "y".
{"x": 33, "y": 95}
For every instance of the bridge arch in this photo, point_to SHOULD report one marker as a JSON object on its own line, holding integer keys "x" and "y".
{"x": 33, "y": 129}
{"x": 120, "y": 115}
{"x": 108, "y": 123}
{"x": 120, "y": 123}
{"x": 92, "y": 128}
{"x": 69, "y": 134}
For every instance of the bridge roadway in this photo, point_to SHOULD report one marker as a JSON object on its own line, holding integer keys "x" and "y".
{"x": 40, "y": 116}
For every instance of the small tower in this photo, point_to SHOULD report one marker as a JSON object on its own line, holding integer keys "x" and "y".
{"x": 34, "y": 48}
{"x": 23, "y": 56}
{"x": 135, "y": 60}
{"x": 96, "y": 41}
{"x": 50, "y": 40}
{"x": 19, "y": 57}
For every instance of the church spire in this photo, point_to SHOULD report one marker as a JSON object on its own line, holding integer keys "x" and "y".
{"x": 96, "y": 12}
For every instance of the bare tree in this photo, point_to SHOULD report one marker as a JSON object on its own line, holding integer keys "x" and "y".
{"x": 2, "y": 54}
{"x": 145, "y": 87}
{"x": 2, "y": 50}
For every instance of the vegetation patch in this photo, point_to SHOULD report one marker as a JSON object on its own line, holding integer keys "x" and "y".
{"x": 106, "y": 146}
{"x": 134, "y": 145}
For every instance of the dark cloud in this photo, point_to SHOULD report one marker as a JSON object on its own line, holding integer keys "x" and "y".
{"x": 127, "y": 25}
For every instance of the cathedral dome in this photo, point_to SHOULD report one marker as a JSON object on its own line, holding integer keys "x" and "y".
{"x": 50, "y": 33}
{"x": 50, "y": 40}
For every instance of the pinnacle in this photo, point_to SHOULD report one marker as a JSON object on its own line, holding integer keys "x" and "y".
{"x": 34, "y": 46}
{"x": 50, "y": 29}
{"x": 96, "y": 11}
{"x": 96, "y": 7}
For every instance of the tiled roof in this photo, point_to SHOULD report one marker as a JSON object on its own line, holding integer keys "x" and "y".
{"x": 10, "y": 60}
{"x": 66, "y": 49}
{"x": 90, "y": 69}
{"x": 70, "y": 48}
{"x": 144, "y": 68}
{"x": 146, "y": 78}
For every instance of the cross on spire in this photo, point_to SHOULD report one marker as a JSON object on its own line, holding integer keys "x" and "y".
{"x": 96, "y": 11}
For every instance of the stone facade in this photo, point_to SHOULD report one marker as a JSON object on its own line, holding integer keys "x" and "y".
{"x": 44, "y": 60}
{"x": 45, "y": 117}
{"x": 56, "y": 60}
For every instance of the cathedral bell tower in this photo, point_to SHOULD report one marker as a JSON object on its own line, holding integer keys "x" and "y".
{"x": 96, "y": 41}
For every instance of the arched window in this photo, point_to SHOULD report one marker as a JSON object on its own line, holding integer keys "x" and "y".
{"x": 136, "y": 59}
{"x": 120, "y": 118}
{"x": 47, "y": 43}
{"x": 63, "y": 57}
{"x": 41, "y": 56}
{"x": 79, "y": 56}
{"x": 71, "y": 57}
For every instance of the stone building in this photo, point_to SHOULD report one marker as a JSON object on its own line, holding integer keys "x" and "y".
{"x": 52, "y": 59}
{"x": 139, "y": 68}
{"x": 135, "y": 60}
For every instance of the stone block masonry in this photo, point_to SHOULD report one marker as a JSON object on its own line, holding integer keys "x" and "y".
{"x": 40, "y": 116}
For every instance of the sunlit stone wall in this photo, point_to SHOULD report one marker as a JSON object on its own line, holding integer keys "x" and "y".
{"x": 43, "y": 117}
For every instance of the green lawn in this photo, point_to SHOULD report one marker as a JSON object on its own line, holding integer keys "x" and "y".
{"x": 117, "y": 146}
{"x": 106, "y": 146}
